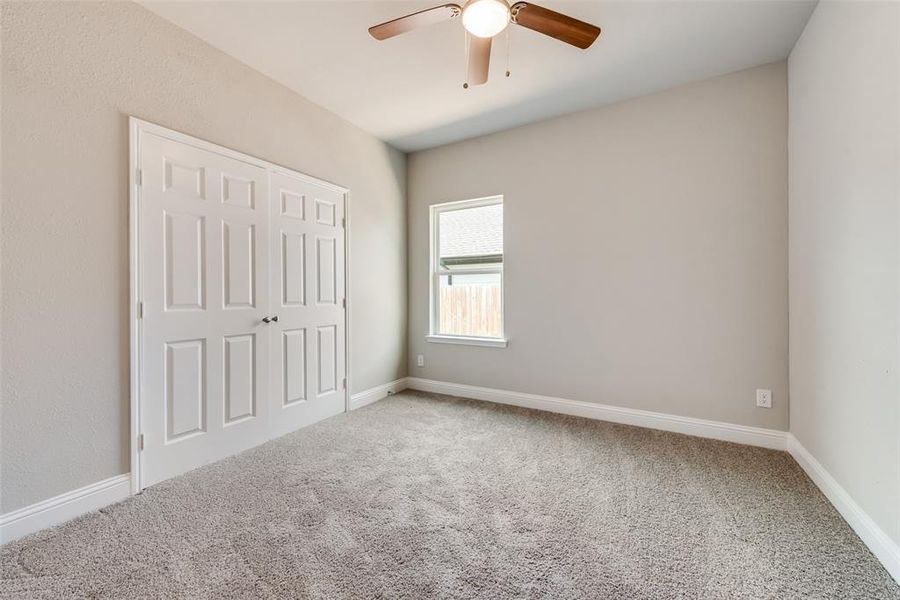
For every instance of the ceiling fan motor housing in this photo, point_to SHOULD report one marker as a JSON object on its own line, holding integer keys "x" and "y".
{"x": 485, "y": 18}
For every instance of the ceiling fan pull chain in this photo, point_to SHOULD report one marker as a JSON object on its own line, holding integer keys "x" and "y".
{"x": 466, "y": 67}
{"x": 507, "y": 51}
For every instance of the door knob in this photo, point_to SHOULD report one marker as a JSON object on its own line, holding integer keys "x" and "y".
{"x": 275, "y": 318}
{"x": 266, "y": 319}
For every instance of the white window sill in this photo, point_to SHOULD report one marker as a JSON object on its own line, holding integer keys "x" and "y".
{"x": 467, "y": 341}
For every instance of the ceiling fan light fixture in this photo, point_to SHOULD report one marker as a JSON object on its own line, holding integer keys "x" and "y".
{"x": 485, "y": 18}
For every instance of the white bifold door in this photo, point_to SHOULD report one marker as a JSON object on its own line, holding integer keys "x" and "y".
{"x": 242, "y": 303}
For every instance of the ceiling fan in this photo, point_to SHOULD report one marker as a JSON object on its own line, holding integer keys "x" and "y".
{"x": 484, "y": 19}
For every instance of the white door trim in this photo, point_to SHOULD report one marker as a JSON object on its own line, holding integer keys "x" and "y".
{"x": 136, "y": 128}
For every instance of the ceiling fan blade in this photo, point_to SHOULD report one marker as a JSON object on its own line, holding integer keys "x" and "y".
{"x": 479, "y": 60}
{"x": 556, "y": 25}
{"x": 429, "y": 16}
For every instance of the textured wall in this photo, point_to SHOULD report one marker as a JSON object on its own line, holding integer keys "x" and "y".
{"x": 646, "y": 251}
{"x": 845, "y": 249}
{"x": 71, "y": 74}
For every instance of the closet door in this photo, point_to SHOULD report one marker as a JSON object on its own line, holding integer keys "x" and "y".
{"x": 307, "y": 343}
{"x": 204, "y": 231}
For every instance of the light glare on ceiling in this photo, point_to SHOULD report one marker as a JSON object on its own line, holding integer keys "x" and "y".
{"x": 485, "y": 18}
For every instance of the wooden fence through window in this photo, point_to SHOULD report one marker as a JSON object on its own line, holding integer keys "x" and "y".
{"x": 474, "y": 310}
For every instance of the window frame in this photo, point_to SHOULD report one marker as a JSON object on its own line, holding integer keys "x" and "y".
{"x": 435, "y": 272}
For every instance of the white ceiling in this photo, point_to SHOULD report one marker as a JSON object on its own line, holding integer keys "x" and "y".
{"x": 408, "y": 90}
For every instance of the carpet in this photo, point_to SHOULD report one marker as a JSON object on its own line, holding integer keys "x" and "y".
{"x": 427, "y": 496}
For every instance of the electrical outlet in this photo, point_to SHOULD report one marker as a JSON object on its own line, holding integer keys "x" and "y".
{"x": 764, "y": 398}
{"x": 420, "y": 360}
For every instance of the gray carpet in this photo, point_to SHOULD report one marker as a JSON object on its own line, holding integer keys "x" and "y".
{"x": 422, "y": 496}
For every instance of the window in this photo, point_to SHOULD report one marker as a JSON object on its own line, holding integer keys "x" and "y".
{"x": 467, "y": 272}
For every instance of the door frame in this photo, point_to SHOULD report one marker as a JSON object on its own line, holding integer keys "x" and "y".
{"x": 136, "y": 127}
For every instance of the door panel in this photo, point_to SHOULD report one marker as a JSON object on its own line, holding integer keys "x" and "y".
{"x": 326, "y": 351}
{"x": 204, "y": 271}
{"x": 238, "y": 191}
{"x": 240, "y": 377}
{"x": 294, "y": 365}
{"x": 185, "y": 251}
{"x": 308, "y": 289}
{"x": 293, "y": 269}
{"x": 239, "y": 256}
{"x": 292, "y": 205}
{"x": 326, "y": 212}
{"x": 186, "y": 179}
{"x": 185, "y": 389}
{"x": 326, "y": 274}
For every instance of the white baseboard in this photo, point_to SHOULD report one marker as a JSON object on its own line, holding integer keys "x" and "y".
{"x": 377, "y": 393}
{"x": 741, "y": 434}
{"x": 881, "y": 545}
{"x": 64, "y": 507}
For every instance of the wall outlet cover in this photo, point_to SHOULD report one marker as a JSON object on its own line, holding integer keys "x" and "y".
{"x": 764, "y": 398}
{"x": 420, "y": 360}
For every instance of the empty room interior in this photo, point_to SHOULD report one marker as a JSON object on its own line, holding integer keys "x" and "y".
{"x": 486, "y": 299}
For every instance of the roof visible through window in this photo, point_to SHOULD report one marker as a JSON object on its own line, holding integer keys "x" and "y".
{"x": 474, "y": 231}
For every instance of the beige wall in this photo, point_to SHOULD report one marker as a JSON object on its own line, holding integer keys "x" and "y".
{"x": 72, "y": 73}
{"x": 845, "y": 250}
{"x": 646, "y": 251}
